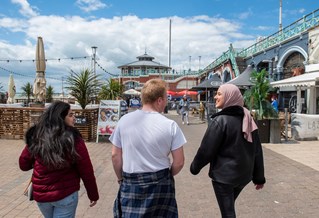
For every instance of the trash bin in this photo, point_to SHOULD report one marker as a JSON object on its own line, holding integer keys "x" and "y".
{"x": 263, "y": 129}
{"x": 275, "y": 131}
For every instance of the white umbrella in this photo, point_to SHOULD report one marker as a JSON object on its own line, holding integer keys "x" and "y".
{"x": 11, "y": 90}
{"x": 132, "y": 92}
{"x": 39, "y": 87}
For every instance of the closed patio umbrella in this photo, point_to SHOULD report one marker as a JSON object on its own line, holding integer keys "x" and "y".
{"x": 39, "y": 87}
{"x": 11, "y": 90}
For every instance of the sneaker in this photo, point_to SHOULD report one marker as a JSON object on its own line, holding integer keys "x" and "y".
{"x": 183, "y": 123}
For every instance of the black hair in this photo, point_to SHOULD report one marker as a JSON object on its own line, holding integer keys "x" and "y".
{"x": 51, "y": 140}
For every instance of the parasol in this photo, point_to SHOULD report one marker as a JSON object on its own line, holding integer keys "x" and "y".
{"x": 11, "y": 90}
{"x": 169, "y": 92}
{"x": 132, "y": 92}
{"x": 243, "y": 80}
{"x": 39, "y": 87}
{"x": 187, "y": 92}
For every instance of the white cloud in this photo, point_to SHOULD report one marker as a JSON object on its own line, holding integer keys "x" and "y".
{"x": 263, "y": 28}
{"x": 90, "y": 5}
{"x": 119, "y": 40}
{"x": 26, "y": 10}
{"x": 14, "y": 25}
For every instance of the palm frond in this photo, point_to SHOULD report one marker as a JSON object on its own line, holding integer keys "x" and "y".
{"x": 83, "y": 86}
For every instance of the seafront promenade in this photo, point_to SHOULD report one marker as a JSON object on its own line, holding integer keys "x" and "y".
{"x": 292, "y": 188}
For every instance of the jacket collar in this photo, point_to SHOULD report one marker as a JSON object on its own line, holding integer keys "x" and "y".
{"x": 231, "y": 111}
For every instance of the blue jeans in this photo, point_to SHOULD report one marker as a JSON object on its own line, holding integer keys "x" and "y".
{"x": 226, "y": 196}
{"x": 64, "y": 208}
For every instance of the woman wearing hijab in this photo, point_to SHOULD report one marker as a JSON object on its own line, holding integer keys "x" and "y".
{"x": 232, "y": 147}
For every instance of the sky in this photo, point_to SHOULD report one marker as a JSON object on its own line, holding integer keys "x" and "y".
{"x": 201, "y": 30}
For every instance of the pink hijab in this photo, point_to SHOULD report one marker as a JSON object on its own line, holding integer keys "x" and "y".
{"x": 233, "y": 97}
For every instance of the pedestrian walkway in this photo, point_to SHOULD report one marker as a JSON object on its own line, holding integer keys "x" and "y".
{"x": 292, "y": 188}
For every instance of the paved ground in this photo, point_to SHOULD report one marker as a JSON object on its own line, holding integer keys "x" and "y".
{"x": 292, "y": 188}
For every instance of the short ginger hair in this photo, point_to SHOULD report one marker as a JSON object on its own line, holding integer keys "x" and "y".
{"x": 152, "y": 90}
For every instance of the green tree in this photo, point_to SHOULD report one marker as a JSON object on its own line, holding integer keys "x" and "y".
{"x": 49, "y": 94}
{"x": 257, "y": 96}
{"x": 111, "y": 90}
{"x": 27, "y": 90}
{"x": 83, "y": 86}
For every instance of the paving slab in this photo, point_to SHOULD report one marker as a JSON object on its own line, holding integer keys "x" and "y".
{"x": 292, "y": 188}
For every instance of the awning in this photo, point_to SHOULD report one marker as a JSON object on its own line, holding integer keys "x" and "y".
{"x": 305, "y": 80}
{"x": 243, "y": 80}
{"x": 213, "y": 82}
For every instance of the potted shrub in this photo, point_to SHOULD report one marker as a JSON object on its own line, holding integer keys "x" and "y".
{"x": 256, "y": 99}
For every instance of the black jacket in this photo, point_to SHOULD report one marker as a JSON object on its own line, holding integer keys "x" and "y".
{"x": 233, "y": 160}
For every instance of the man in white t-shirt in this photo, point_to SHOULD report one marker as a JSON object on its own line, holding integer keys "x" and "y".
{"x": 142, "y": 143}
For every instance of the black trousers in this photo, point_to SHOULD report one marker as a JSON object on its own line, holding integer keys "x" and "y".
{"x": 226, "y": 196}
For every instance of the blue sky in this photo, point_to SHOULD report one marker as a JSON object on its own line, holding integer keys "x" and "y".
{"x": 124, "y": 29}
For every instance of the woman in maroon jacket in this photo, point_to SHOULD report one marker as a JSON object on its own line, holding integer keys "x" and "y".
{"x": 59, "y": 158}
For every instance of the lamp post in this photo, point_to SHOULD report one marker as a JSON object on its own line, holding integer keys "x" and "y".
{"x": 94, "y": 58}
{"x": 94, "y": 69}
{"x": 62, "y": 88}
{"x": 190, "y": 69}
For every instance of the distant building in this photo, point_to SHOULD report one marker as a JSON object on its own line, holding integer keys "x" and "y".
{"x": 133, "y": 75}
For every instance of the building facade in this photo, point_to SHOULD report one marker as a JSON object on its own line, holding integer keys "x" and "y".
{"x": 133, "y": 75}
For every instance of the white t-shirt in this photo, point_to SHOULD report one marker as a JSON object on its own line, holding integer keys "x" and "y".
{"x": 146, "y": 139}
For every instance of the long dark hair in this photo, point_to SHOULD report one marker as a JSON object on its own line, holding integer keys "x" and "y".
{"x": 51, "y": 140}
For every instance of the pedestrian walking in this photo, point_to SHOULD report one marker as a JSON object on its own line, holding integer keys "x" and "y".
{"x": 232, "y": 147}
{"x": 142, "y": 143}
{"x": 184, "y": 109}
{"x": 201, "y": 111}
{"x": 59, "y": 158}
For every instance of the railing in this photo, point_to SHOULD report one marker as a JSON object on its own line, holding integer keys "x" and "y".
{"x": 288, "y": 32}
{"x": 293, "y": 30}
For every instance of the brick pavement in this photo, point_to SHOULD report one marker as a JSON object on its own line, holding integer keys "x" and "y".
{"x": 291, "y": 190}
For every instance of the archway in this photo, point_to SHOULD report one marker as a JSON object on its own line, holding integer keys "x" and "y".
{"x": 291, "y": 64}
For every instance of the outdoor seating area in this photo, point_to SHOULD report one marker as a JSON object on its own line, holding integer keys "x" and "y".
{"x": 14, "y": 121}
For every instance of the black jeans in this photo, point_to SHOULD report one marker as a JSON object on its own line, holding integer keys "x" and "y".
{"x": 226, "y": 196}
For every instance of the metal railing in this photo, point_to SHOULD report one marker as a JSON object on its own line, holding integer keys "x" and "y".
{"x": 291, "y": 31}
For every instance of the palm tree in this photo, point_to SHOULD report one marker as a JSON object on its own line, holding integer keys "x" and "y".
{"x": 83, "y": 86}
{"x": 27, "y": 90}
{"x": 256, "y": 97}
{"x": 111, "y": 90}
{"x": 49, "y": 94}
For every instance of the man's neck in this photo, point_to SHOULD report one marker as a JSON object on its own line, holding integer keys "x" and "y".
{"x": 150, "y": 108}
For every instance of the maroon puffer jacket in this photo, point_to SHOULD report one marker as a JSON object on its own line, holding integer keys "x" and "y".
{"x": 53, "y": 185}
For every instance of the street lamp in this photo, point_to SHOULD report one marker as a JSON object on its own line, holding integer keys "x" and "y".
{"x": 94, "y": 69}
{"x": 190, "y": 69}
{"x": 94, "y": 58}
